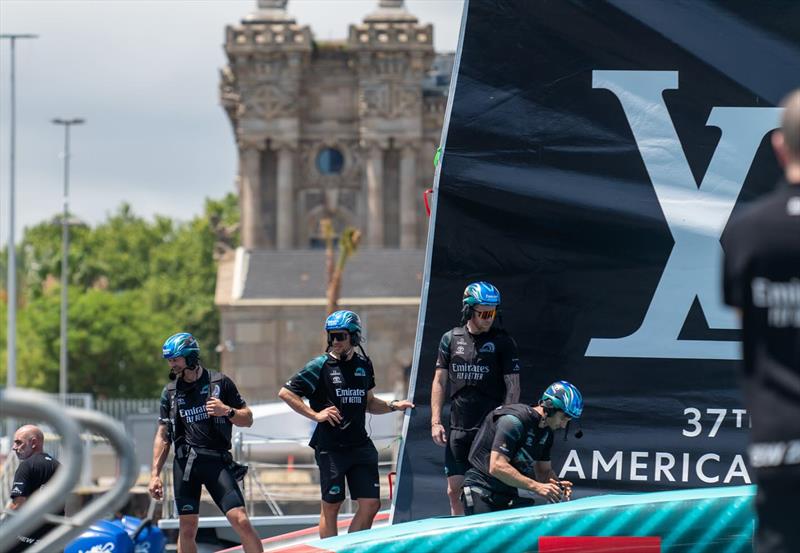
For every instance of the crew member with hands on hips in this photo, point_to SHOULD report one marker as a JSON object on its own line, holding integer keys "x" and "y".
{"x": 338, "y": 386}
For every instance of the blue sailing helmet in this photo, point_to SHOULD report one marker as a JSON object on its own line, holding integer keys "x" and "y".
{"x": 564, "y": 396}
{"x": 481, "y": 293}
{"x": 181, "y": 344}
{"x": 343, "y": 320}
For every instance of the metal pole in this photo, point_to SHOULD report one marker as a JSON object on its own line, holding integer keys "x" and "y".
{"x": 63, "y": 361}
{"x": 11, "y": 285}
{"x": 11, "y": 329}
{"x": 63, "y": 365}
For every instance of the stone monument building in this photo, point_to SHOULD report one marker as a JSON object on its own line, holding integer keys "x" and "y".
{"x": 337, "y": 130}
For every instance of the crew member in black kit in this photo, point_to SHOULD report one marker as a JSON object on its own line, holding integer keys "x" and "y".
{"x": 198, "y": 410}
{"x": 511, "y": 454}
{"x": 35, "y": 469}
{"x": 762, "y": 280}
{"x": 480, "y": 364}
{"x": 339, "y": 387}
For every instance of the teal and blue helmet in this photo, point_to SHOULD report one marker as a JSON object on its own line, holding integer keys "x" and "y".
{"x": 563, "y": 396}
{"x": 481, "y": 293}
{"x": 183, "y": 345}
{"x": 343, "y": 320}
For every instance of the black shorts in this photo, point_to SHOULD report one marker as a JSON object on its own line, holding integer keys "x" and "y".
{"x": 358, "y": 465}
{"x": 209, "y": 471}
{"x": 456, "y": 452}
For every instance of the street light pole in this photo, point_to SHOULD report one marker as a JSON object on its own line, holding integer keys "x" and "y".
{"x": 63, "y": 363}
{"x": 11, "y": 289}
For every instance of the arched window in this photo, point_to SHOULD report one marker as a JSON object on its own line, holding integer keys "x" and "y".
{"x": 330, "y": 161}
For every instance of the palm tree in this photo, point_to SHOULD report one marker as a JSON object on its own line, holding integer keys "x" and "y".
{"x": 348, "y": 245}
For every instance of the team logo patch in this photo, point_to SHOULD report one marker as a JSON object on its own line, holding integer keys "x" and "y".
{"x": 460, "y": 350}
{"x": 488, "y": 347}
{"x": 186, "y": 508}
{"x": 336, "y": 379}
{"x": 335, "y": 490}
{"x": 360, "y": 372}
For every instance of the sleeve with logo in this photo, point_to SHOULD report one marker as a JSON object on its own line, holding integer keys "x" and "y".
{"x": 230, "y": 394}
{"x": 371, "y": 376}
{"x": 510, "y": 355}
{"x": 20, "y": 487}
{"x": 443, "y": 357}
{"x": 509, "y": 436}
{"x": 163, "y": 417}
{"x": 306, "y": 381}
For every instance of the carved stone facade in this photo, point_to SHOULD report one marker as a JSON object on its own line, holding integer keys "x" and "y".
{"x": 342, "y": 130}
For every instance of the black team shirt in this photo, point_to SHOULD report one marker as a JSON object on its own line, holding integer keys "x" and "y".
{"x": 513, "y": 431}
{"x": 32, "y": 473}
{"x": 476, "y": 366}
{"x": 193, "y": 421}
{"x": 762, "y": 279}
{"x": 327, "y": 381}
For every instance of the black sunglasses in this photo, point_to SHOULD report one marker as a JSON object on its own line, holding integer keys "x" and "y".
{"x": 338, "y": 336}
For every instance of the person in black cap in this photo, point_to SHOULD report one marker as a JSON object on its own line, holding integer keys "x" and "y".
{"x": 762, "y": 280}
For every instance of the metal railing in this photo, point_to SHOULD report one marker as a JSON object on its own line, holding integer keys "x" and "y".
{"x": 51, "y": 498}
{"x": 24, "y": 404}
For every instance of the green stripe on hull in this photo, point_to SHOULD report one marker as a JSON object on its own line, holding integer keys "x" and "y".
{"x": 710, "y": 520}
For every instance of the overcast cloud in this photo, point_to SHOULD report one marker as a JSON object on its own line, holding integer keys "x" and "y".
{"x": 144, "y": 74}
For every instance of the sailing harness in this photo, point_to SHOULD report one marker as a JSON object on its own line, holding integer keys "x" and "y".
{"x": 177, "y": 437}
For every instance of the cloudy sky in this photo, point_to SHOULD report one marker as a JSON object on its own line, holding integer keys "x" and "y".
{"x": 144, "y": 75}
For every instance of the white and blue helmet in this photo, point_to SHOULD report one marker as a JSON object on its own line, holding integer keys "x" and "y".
{"x": 481, "y": 293}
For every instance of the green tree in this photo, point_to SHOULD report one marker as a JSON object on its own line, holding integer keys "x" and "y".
{"x": 133, "y": 282}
